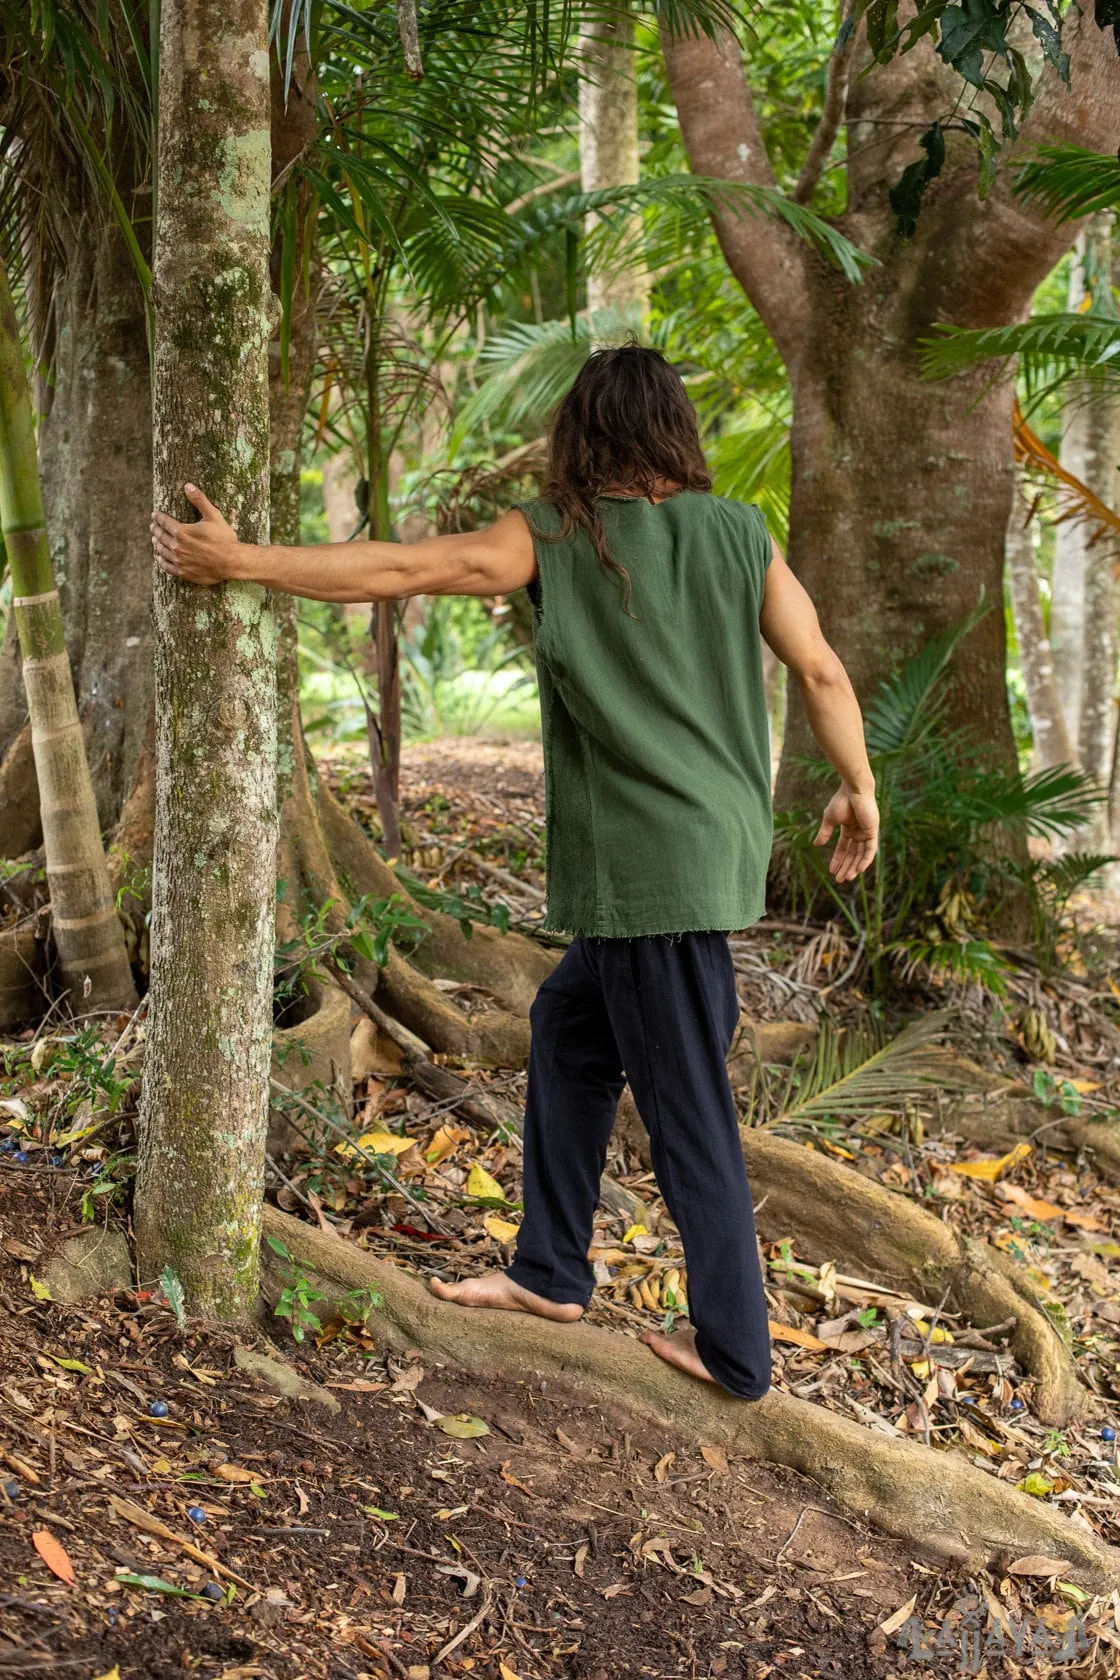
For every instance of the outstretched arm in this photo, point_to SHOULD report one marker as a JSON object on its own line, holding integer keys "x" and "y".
{"x": 789, "y": 624}
{"x": 206, "y": 551}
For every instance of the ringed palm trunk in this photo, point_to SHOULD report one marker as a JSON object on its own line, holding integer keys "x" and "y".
{"x": 204, "y": 1115}
{"x": 86, "y": 927}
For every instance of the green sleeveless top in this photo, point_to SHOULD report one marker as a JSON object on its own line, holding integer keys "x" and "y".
{"x": 656, "y": 739}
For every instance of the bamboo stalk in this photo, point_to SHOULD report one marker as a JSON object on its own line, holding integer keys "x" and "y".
{"x": 87, "y": 929}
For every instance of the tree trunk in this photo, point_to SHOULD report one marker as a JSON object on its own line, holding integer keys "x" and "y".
{"x": 205, "y": 1103}
{"x": 95, "y": 451}
{"x": 1095, "y": 429}
{"x": 1052, "y": 745}
{"x": 608, "y": 153}
{"x": 84, "y": 919}
{"x": 901, "y": 487}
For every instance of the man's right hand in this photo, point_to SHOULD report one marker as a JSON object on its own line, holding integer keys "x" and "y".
{"x": 856, "y": 815}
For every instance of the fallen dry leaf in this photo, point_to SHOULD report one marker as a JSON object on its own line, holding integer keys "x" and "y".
{"x": 500, "y": 1229}
{"x": 803, "y": 1338}
{"x": 482, "y": 1187}
{"x": 902, "y": 1614}
{"x": 716, "y": 1459}
{"x": 237, "y": 1474}
{"x": 989, "y": 1168}
{"x": 661, "y": 1468}
{"x": 1038, "y": 1564}
{"x": 445, "y": 1142}
{"x": 53, "y": 1554}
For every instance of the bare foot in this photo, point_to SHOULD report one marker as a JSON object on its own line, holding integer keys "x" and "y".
{"x": 679, "y": 1349}
{"x": 495, "y": 1289}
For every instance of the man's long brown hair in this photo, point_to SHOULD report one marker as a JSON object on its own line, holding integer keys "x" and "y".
{"x": 625, "y": 427}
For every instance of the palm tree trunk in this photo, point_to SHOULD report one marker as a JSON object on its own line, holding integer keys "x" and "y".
{"x": 1052, "y": 744}
{"x": 608, "y": 152}
{"x": 86, "y": 927}
{"x": 1084, "y": 602}
{"x": 204, "y": 1114}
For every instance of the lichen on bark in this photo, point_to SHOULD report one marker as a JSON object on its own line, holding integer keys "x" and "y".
{"x": 205, "y": 1106}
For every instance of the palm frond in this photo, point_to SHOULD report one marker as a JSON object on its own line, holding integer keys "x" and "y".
{"x": 1070, "y": 181}
{"x": 910, "y": 703}
{"x": 1075, "y": 499}
{"x": 852, "y": 1071}
{"x": 1050, "y": 348}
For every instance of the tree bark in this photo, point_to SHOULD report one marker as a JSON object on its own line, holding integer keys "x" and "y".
{"x": 609, "y": 155}
{"x": 901, "y": 487}
{"x": 205, "y": 1103}
{"x": 1052, "y": 744}
{"x": 1093, "y": 437}
{"x": 87, "y": 931}
{"x": 95, "y": 452}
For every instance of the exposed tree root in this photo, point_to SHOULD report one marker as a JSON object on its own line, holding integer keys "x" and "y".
{"x": 955, "y": 1512}
{"x": 835, "y": 1213}
{"x": 508, "y": 965}
{"x": 1002, "y": 1112}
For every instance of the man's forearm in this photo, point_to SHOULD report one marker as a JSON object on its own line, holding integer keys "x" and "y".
{"x": 834, "y": 717}
{"x": 347, "y": 571}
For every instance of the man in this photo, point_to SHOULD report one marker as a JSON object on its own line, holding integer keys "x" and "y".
{"x": 652, "y": 599}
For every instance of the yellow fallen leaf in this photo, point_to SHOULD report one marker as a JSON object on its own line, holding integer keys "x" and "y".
{"x": 634, "y": 1231}
{"x": 938, "y": 1334}
{"x": 803, "y": 1338}
{"x": 375, "y": 1143}
{"x": 113, "y": 1673}
{"x": 500, "y": 1229}
{"x": 482, "y": 1187}
{"x": 444, "y": 1143}
{"x": 1084, "y": 1086}
{"x": 506, "y": 1672}
{"x": 39, "y": 1290}
{"x": 992, "y": 1167}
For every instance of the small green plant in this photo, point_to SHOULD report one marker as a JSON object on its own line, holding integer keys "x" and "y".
{"x": 298, "y": 1295}
{"x": 356, "y": 1306}
{"x": 867, "y": 1318}
{"x": 1054, "y": 1093}
{"x": 326, "y": 939}
{"x": 171, "y": 1284}
{"x": 952, "y": 824}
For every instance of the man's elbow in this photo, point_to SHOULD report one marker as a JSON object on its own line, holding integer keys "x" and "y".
{"x": 822, "y": 671}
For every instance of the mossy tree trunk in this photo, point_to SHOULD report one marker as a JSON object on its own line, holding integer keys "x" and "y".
{"x": 205, "y": 1107}
{"x": 87, "y": 930}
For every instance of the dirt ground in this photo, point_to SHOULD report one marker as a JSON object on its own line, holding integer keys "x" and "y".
{"x": 575, "y": 1543}
{"x": 548, "y": 1537}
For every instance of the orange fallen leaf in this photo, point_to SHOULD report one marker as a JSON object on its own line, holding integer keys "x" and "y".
{"x": 1033, "y": 1206}
{"x": 1087, "y": 1221}
{"x": 803, "y": 1338}
{"x": 53, "y": 1554}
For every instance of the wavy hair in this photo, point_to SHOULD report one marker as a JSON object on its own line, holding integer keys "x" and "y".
{"x": 625, "y": 424}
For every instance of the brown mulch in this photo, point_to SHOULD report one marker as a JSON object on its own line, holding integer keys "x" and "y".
{"x": 597, "y": 1549}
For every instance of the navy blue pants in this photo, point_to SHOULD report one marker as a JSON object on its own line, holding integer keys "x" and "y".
{"x": 660, "y": 1012}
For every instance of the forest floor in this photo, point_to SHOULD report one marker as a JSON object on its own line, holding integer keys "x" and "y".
{"x": 593, "y": 1548}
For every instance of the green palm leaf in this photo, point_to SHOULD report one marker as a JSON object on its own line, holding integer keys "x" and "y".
{"x": 1070, "y": 181}
{"x": 852, "y": 1071}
